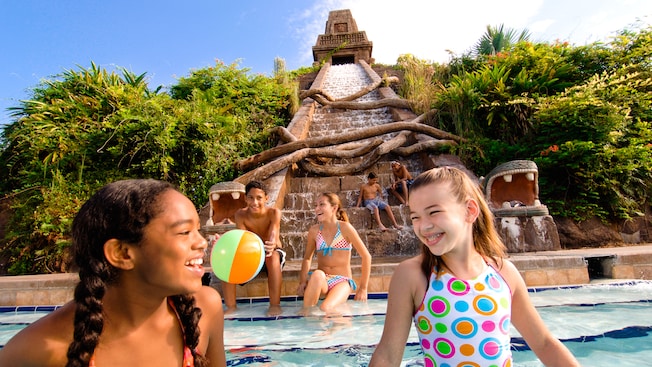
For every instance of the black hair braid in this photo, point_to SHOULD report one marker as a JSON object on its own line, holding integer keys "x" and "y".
{"x": 189, "y": 315}
{"x": 89, "y": 318}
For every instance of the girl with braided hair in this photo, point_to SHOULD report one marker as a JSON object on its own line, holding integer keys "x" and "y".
{"x": 140, "y": 299}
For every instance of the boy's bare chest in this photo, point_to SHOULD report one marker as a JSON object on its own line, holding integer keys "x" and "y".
{"x": 258, "y": 225}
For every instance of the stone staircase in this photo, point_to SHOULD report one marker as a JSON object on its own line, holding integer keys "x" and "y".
{"x": 341, "y": 81}
{"x": 300, "y": 189}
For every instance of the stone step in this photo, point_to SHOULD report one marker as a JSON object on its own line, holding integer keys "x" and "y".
{"x": 359, "y": 217}
{"x": 349, "y": 198}
{"x": 316, "y": 185}
{"x": 392, "y": 242}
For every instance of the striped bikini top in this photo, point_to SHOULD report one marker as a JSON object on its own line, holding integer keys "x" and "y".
{"x": 338, "y": 243}
{"x": 188, "y": 359}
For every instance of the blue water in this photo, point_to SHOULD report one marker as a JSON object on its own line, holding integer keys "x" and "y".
{"x": 603, "y": 325}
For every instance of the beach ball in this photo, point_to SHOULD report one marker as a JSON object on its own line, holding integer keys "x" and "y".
{"x": 237, "y": 256}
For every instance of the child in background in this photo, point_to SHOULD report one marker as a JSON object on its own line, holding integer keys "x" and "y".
{"x": 139, "y": 300}
{"x": 402, "y": 181}
{"x": 333, "y": 239}
{"x": 460, "y": 292}
{"x": 371, "y": 198}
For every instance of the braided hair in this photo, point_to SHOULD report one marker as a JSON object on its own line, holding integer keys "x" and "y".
{"x": 120, "y": 210}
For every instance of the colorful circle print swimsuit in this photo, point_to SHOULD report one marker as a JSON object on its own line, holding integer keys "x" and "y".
{"x": 465, "y": 323}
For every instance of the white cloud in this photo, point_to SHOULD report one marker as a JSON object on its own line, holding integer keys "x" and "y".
{"x": 428, "y": 28}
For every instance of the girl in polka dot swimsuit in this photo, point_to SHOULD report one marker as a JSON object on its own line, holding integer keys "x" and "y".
{"x": 460, "y": 293}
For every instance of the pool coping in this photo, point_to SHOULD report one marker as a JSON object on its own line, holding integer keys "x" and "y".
{"x": 539, "y": 269}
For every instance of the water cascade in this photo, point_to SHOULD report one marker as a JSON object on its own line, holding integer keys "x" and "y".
{"x": 341, "y": 81}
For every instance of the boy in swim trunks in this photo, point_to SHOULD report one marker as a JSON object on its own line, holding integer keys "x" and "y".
{"x": 370, "y": 197}
{"x": 264, "y": 221}
{"x": 402, "y": 182}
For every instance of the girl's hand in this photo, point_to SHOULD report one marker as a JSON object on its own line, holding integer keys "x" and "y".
{"x": 360, "y": 295}
{"x": 301, "y": 288}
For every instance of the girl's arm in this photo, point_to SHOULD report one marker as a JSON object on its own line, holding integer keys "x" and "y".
{"x": 404, "y": 290}
{"x": 307, "y": 260}
{"x": 528, "y": 322}
{"x": 352, "y": 236}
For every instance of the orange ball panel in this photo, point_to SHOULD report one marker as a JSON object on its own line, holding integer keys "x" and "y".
{"x": 248, "y": 259}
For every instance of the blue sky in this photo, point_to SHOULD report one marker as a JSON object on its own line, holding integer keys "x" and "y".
{"x": 167, "y": 39}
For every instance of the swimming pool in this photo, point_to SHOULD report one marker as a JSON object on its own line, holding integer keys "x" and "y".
{"x": 603, "y": 325}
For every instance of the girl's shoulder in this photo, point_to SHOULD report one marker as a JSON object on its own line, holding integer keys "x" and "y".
{"x": 409, "y": 282}
{"x": 54, "y": 334}
{"x": 345, "y": 225}
{"x": 347, "y": 229}
{"x": 207, "y": 297}
{"x": 410, "y": 268}
{"x": 314, "y": 228}
{"x": 510, "y": 273}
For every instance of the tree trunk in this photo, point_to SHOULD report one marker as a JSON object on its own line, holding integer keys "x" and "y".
{"x": 373, "y": 131}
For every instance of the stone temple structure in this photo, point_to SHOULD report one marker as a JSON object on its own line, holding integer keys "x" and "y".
{"x": 342, "y": 43}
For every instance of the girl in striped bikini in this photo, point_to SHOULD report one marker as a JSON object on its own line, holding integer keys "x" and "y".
{"x": 332, "y": 238}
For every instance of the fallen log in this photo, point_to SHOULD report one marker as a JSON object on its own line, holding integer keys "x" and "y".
{"x": 364, "y": 91}
{"x": 347, "y": 105}
{"x": 368, "y": 159}
{"x": 263, "y": 172}
{"x": 415, "y": 125}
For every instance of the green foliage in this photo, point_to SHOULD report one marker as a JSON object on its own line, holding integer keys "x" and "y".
{"x": 89, "y": 127}
{"x": 499, "y": 39}
{"x": 581, "y": 113}
{"x": 418, "y": 86}
{"x": 603, "y": 146}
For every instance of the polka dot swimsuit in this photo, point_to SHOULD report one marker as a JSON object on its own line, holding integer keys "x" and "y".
{"x": 465, "y": 323}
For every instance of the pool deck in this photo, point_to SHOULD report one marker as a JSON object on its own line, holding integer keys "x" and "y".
{"x": 549, "y": 268}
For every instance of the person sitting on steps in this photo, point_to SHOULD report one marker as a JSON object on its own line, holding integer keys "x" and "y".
{"x": 265, "y": 221}
{"x": 370, "y": 197}
{"x": 402, "y": 181}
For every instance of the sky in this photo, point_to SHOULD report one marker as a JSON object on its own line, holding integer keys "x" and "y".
{"x": 167, "y": 39}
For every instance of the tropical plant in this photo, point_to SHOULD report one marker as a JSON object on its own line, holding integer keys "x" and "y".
{"x": 419, "y": 86}
{"x": 499, "y": 39}
{"x": 89, "y": 127}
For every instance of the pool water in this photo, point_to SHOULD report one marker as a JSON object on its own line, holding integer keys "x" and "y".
{"x": 603, "y": 325}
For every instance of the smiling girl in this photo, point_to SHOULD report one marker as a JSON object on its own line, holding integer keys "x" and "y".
{"x": 332, "y": 238}
{"x": 460, "y": 293}
{"x": 140, "y": 299}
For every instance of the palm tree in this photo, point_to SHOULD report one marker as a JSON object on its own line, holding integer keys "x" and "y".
{"x": 498, "y": 39}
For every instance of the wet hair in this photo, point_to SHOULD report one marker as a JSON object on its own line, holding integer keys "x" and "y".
{"x": 255, "y": 185}
{"x": 371, "y": 175}
{"x": 120, "y": 210}
{"x": 334, "y": 200}
{"x": 485, "y": 236}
